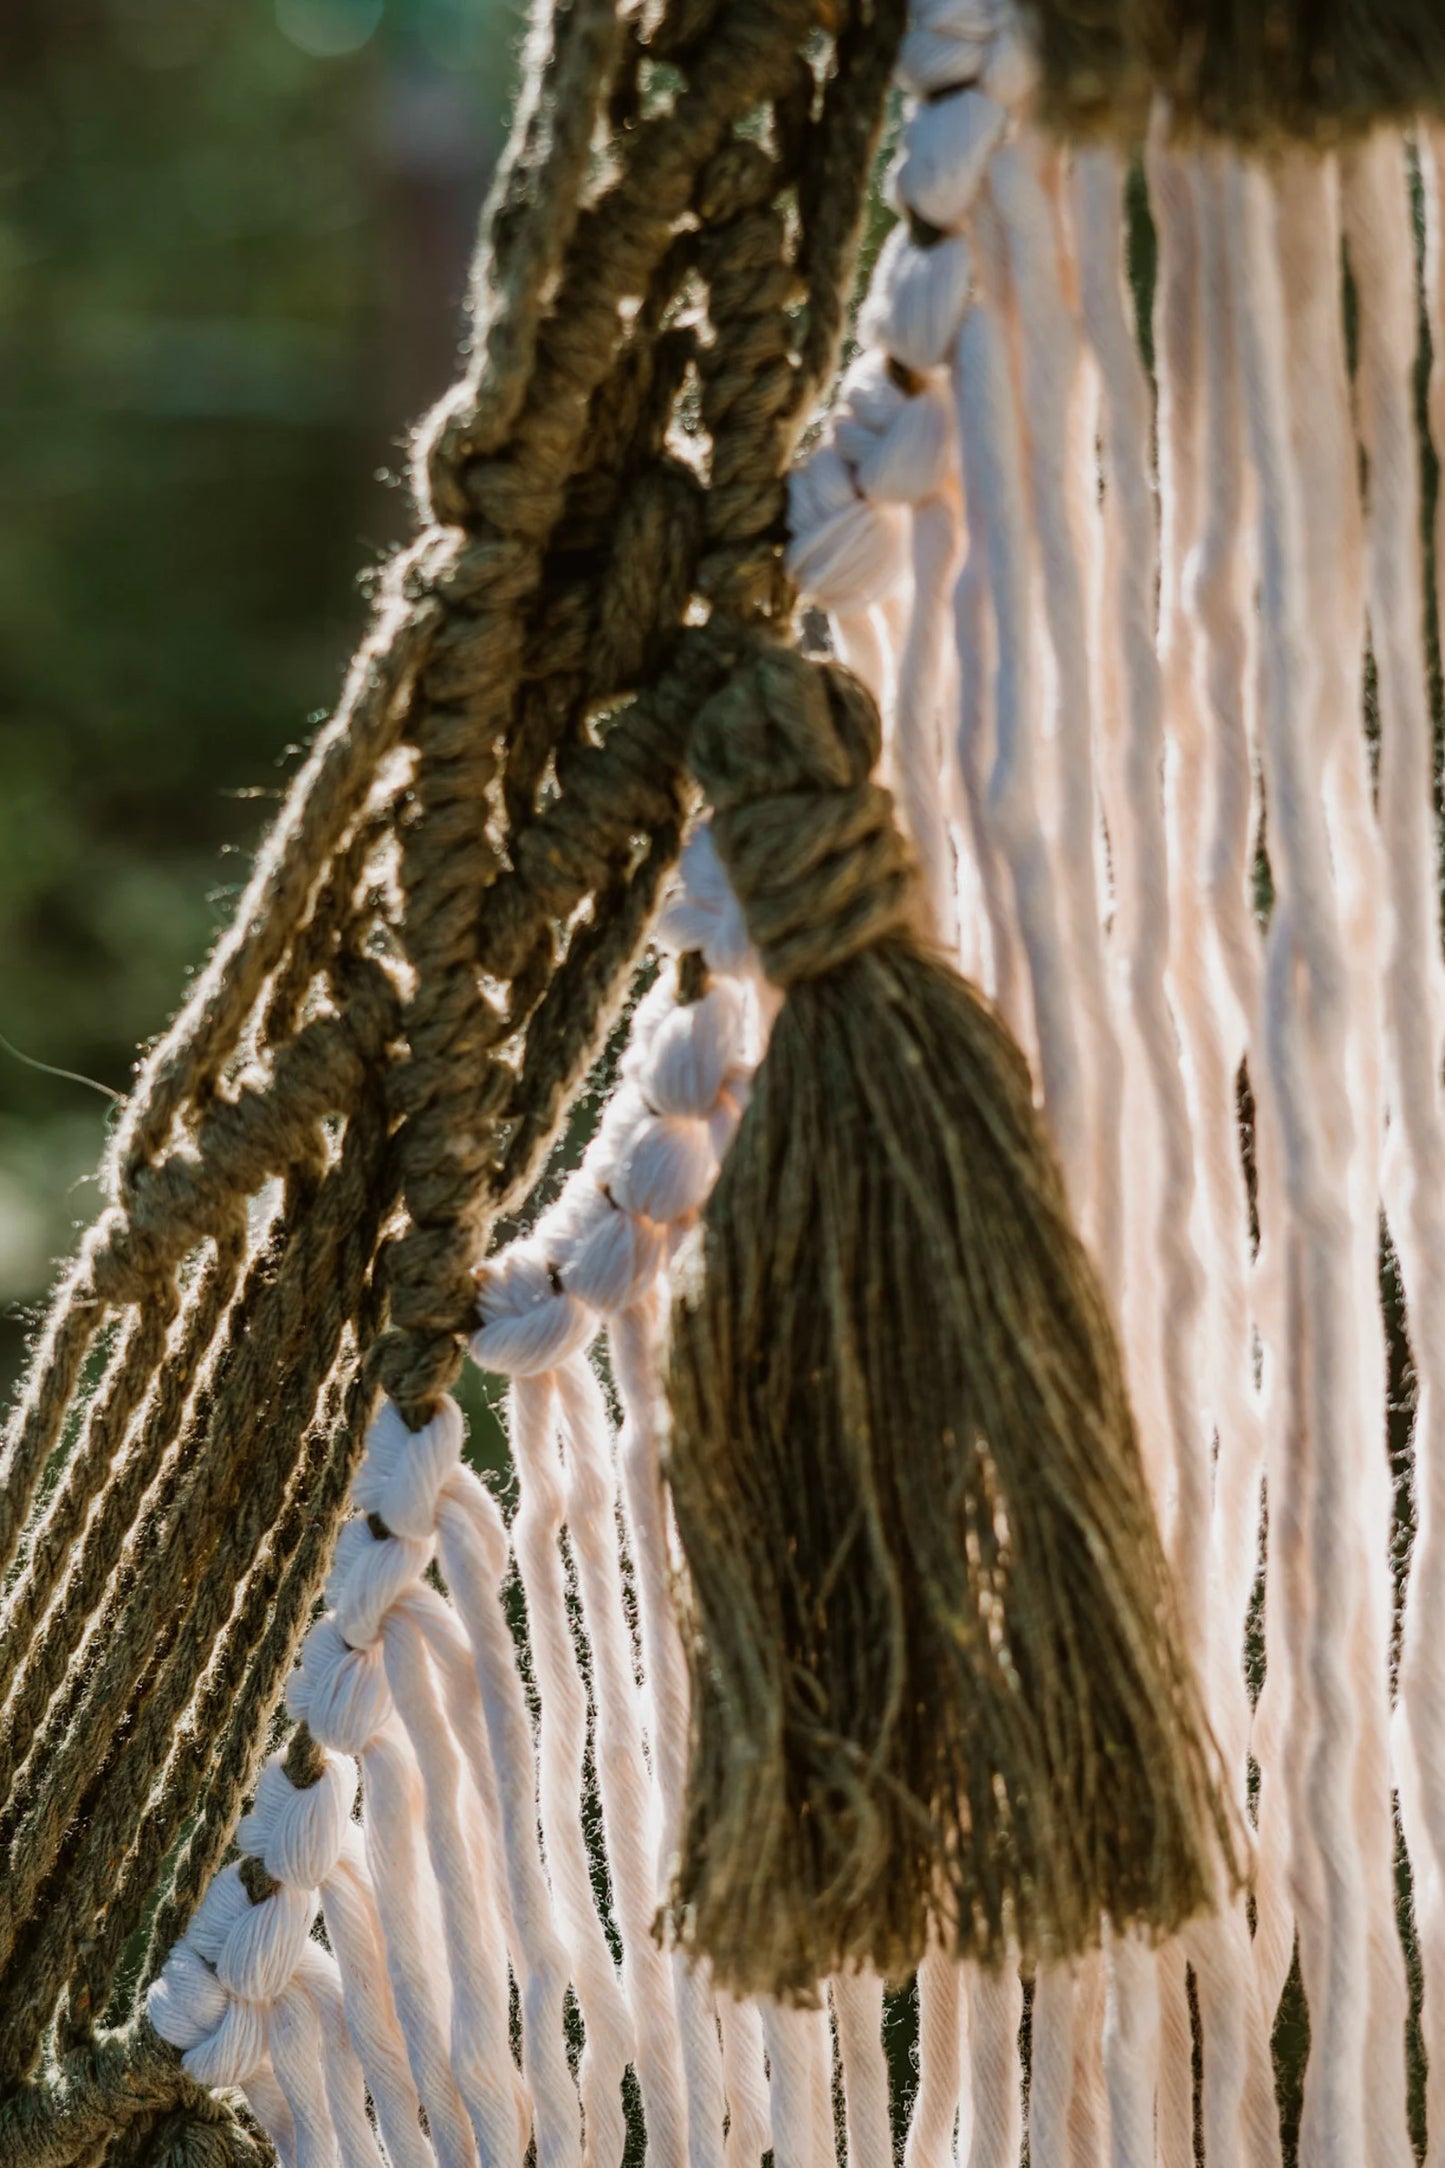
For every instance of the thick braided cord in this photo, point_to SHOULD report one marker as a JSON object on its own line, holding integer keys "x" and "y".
{"x": 255, "y": 1128}
{"x": 334, "y": 1250}
{"x": 1161, "y": 1252}
{"x": 100, "y": 2094}
{"x": 273, "y": 1611}
{"x": 929, "y": 2144}
{"x": 1162, "y": 1312}
{"x": 571, "y": 57}
{"x": 463, "y": 1907}
{"x": 51, "y": 1689}
{"x": 990, "y": 434}
{"x": 1025, "y": 194}
{"x": 230, "y": 1713}
{"x": 1235, "y": 2025}
{"x": 1215, "y": 600}
{"x": 71, "y": 1556}
{"x": 560, "y": 1751}
{"x": 220, "y": 1741}
{"x": 995, "y": 2094}
{"x": 136, "y": 1354}
{"x": 800, "y": 2104}
{"x": 627, "y": 1794}
{"x": 266, "y": 1125}
{"x": 454, "y": 1104}
{"x": 324, "y": 801}
{"x": 1417, "y": 1753}
{"x": 1216, "y": 958}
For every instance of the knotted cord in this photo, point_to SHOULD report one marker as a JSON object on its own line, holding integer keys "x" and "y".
{"x": 428, "y": 959}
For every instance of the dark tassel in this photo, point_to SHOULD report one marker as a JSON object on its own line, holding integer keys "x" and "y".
{"x": 939, "y": 1683}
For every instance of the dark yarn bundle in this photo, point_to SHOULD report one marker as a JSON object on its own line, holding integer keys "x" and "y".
{"x": 939, "y": 1684}
{"x": 1313, "y": 70}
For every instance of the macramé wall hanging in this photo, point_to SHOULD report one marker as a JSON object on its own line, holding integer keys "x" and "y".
{"x": 947, "y": 1575}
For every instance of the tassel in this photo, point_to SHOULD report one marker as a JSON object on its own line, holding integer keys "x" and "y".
{"x": 939, "y": 1685}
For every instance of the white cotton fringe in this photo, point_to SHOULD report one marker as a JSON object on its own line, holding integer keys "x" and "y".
{"x": 1120, "y": 624}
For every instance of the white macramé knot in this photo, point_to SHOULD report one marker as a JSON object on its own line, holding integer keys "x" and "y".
{"x": 186, "y": 2003}
{"x": 235, "y": 1959}
{"x": 979, "y": 20}
{"x": 298, "y": 1831}
{"x": 900, "y": 463}
{"x": 686, "y": 1078}
{"x": 702, "y": 912}
{"x": 694, "y": 1052}
{"x": 369, "y": 1576}
{"x": 844, "y": 551}
{"x": 404, "y": 1471}
{"x": 659, "y": 1165}
{"x": 917, "y": 299}
{"x": 890, "y": 445}
{"x": 223, "y": 2052}
{"x": 948, "y": 43}
{"x": 947, "y": 149}
{"x": 530, "y": 1323}
{"x": 340, "y": 1693}
{"x": 644, "y": 1176}
{"x": 932, "y": 62}
{"x": 607, "y": 1257}
{"x": 891, "y": 434}
{"x": 256, "y": 1951}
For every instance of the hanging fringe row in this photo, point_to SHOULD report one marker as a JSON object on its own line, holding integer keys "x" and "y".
{"x": 1252, "y": 383}
{"x": 1046, "y": 639}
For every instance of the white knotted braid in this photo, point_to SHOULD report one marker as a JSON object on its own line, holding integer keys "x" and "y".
{"x": 452, "y": 1899}
{"x": 1117, "y": 629}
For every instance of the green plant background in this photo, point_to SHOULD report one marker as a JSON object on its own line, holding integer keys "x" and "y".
{"x": 233, "y": 237}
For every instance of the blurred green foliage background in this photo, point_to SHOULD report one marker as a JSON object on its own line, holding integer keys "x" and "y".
{"x": 233, "y": 243}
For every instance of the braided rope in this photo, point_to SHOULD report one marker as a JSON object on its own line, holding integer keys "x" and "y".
{"x": 410, "y": 992}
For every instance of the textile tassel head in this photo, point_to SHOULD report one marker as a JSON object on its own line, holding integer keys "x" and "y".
{"x": 940, "y": 1689}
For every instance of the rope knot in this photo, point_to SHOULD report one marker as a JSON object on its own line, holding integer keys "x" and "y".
{"x": 785, "y": 753}
{"x": 740, "y": 177}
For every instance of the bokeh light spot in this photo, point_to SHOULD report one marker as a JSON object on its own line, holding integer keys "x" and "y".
{"x": 328, "y": 29}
